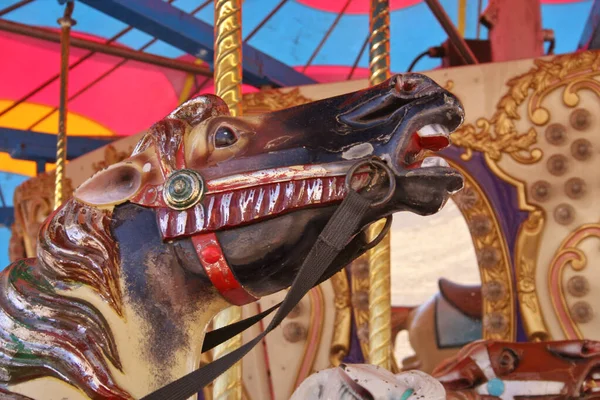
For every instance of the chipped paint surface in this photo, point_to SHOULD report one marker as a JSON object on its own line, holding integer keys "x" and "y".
{"x": 358, "y": 151}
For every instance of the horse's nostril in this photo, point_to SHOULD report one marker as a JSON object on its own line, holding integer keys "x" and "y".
{"x": 406, "y": 83}
{"x": 409, "y": 86}
{"x": 455, "y": 184}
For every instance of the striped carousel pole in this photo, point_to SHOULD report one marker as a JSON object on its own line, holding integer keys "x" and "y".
{"x": 66, "y": 22}
{"x": 228, "y": 86}
{"x": 380, "y": 308}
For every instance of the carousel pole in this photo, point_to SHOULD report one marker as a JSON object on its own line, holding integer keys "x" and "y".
{"x": 228, "y": 86}
{"x": 66, "y": 22}
{"x": 380, "y": 307}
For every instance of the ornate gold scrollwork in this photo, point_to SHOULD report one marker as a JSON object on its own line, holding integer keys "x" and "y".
{"x": 34, "y": 201}
{"x": 573, "y": 71}
{"x": 480, "y": 137}
{"x": 568, "y": 254}
{"x": 493, "y": 258}
{"x": 528, "y": 242}
{"x": 498, "y": 135}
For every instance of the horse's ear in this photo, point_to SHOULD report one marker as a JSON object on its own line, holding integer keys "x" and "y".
{"x": 111, "y": 186}
{"x": 200, "y": 108}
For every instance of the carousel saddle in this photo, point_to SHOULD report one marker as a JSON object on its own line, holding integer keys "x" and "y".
{"x": 466, "y": 299}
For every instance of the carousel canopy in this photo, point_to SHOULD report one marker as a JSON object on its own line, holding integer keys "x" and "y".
{"x": 133, "y": 61}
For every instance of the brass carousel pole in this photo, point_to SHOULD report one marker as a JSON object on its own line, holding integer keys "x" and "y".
{"x": 66, "y": 22}
{"x": 228, "y": 86}
{"x": 380, "y": 308}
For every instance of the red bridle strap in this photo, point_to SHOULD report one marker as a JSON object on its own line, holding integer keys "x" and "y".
{"x": 218, "y": 271}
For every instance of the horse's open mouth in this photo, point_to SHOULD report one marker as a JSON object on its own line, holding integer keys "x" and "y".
{"x": 424, "y": 143}
{"x": 430, "y": 133}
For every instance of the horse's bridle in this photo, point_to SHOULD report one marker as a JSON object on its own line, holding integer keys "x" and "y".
{"x": 339, "y": 231}
{"x": 219, "y": 272}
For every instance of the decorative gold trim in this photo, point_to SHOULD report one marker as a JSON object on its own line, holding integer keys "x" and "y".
{"x": 498, "y": 135}
{"x": 493, "y": 257}
{"x": 568, "y": 254}
{"x": 340, "y": 341}
{"x": 527, "y": 246}
{"x": 33, "y": 203}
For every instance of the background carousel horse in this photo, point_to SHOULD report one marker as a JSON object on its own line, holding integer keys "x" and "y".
{"x": 368, "y": 382}
{"x": 209, "y": 210}
{"x": 534, "y": 370}
{"x": 440, "y": 327}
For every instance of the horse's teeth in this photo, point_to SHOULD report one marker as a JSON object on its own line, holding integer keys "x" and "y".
{"x": 596, "y": 375}
{"x": 434, "y": 162}
{"x": 433, "y": 130}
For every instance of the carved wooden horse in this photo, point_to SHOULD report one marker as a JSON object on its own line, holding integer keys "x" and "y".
{"x": 208, "y": 211}
{"x": 534, "y": 370}
{"x": 368, "y": 382}
{"x": 440, "y": 327}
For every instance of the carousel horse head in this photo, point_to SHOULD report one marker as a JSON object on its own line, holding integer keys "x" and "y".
{"x": 506, "y": 370}
{"x": 254, "y": 191}
{"x": 368, "y": 382}
{"x": 211, "y": 210}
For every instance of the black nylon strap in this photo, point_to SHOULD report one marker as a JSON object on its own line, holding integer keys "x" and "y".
{"x": 221, "y": 335}
{"x": 340, "y": 229}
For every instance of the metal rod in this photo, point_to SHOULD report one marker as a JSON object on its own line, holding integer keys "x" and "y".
{"x": 14, "y": 7}
{"x": 359, "y": 56}
{"x": 89, "y": 85}
{"x": 379, "y": 41}
{"x": 57, "y": 76}
{"x": 479, "y": 11}
{"x": 462, "y": 17}
{"x": 199, "y": 88}
{"x": 265, "y": 20}
{"x": 66, "y": 22}
{"x": 464, "y": 51}
{"x": 200, "y": 7}
{"x": 326, "y": 36}
{"x": 40, "y": 33}
{"x": 380, "y": 299}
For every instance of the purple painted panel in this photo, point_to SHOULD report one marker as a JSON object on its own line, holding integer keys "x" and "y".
{"x": 504, "y": 200}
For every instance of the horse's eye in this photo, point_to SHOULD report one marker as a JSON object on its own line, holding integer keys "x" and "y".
{"x": 225, "y": 137}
